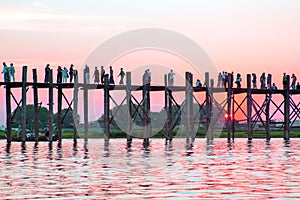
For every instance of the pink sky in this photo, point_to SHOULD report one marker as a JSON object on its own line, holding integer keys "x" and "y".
{"x": 239, "y": 36}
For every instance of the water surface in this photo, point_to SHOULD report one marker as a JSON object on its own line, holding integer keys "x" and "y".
{"x": 236, "y": 171}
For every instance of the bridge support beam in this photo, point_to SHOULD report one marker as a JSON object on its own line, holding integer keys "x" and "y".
{"x": 249, "y": 107}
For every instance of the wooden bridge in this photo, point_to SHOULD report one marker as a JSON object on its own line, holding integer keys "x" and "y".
{"x": 254, "y": 113}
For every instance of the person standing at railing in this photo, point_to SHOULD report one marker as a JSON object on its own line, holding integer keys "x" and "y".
{"x": 171, "y": 78}
{"x": 122, "y": 75}
{"x": 71, "y": 72}
{"x": 65, "y": 75}
{"x": 294, "y": 79}
{"x": 96, "y": 76}
{"x": 12, "y": 72}
{"x": 254, "y": 80}
{"x": 5, "y": 72}
{"x": 86, "y": 72}
{"x": 263, "y": 81}
{"x": 47, "y": 73}
{"x": 59, "y": 74}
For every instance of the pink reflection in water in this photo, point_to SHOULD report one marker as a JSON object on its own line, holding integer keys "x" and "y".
{"x": 239, "y": 171}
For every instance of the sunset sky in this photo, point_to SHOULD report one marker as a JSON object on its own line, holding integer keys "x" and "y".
{"x": 238, "y": 35}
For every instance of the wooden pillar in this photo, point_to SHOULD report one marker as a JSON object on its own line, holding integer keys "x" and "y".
{"x": 75, "y": 110}
{"x": 146, "y": 114}
{"x": 229, "y": 93}
{"x": 190, "y": 129}
{"x": 233, "y": 118}
{"x": 207, "y": 106}
{"x": 106, "y": 109}
{"x": 192, "y": 121}
{"x": 287, "y": 109}
{"x": 50, "y": 114}
{"x": 129, "y": 106}
{"x": 36, "y": 107}
{"x": 167, "y": 127}
{"x": 188, "y": 111}
{"x": 170, "y": 118}
{"x": 268, "y": 99}
{"x": 86, "y": 111}
{"x": 268, "y": 96}
{"x": 59, "y": 117}
{"x": 8, "y": 113}
{"x": 249, "y": 107}
{"x": 24, "y": 84}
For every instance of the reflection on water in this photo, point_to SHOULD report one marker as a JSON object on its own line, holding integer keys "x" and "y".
{"x": 239, "y": 170}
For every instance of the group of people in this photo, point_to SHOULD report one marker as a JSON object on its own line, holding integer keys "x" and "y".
{"x": 8, "y": 72}
{"x": 99, "y": 76}
{"x": 223, "y": 79}
{"x": 62, "y": 74}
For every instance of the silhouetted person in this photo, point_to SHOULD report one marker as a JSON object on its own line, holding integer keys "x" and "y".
{"x": 171, "y": 78}
{"x": 111, "y": 76}
{"x": 86, "y": 73}
{"x": 122, "y": 75}
{"x": 102, "y": 74}
{"x": 263, "y": 81}
{"x": 254, "y": 80}
{"x": 273, "y": 87}
{"x": 294, "y": 79}
{"x": 5, "y": 72}
{"x": 12, "y": 72}
{"x": 59, "y": 74}
{"x": 298, "y": 86}
{"x": 147, "y": 77}
{"x": 220, "y": 80}
{"x": 269, "y": 81}
{"x": 226, "y": 79}
{"x": 284, "y": 80}
{"x": 96, "y": 75}
{"x": 238, "y": 80}
{"x": 198, "y": 83}
{"x": 65, "y": 75}
{"x": 71, "y": 72}
{"x": 47, "y": 74}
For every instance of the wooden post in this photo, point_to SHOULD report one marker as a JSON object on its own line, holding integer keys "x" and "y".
{"x": 191, "y": 108}
{"x": 208, "y": 107}
{"x": 106, "y": 110}
{"x": 59, "y": 117}
{"x": 86, "y": 111}
{"x": 50, "y": 114}
{"x": 229, "y": 106}
{"x": 35, "y": 103}
{"x": 170, "y": 118}
{"x": 249, "y": 107}
{"x": 24, "y": 84}
{"x": 167, "y": 127}
{"x": 287, "y": 109}
{"x": 8, "y": 114}
{"x": 188, "y": 111}
{"x": 233, "y": 118}
{"x": 268, "y": 99}
{"x": 146, "y": 120}
{"x": 268, "y": 96}
{"x": 75, "y": 109}
{"x": 129, "y": 106}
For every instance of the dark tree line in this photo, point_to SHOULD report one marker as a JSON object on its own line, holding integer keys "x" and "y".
{"x": 43, "y": 113}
